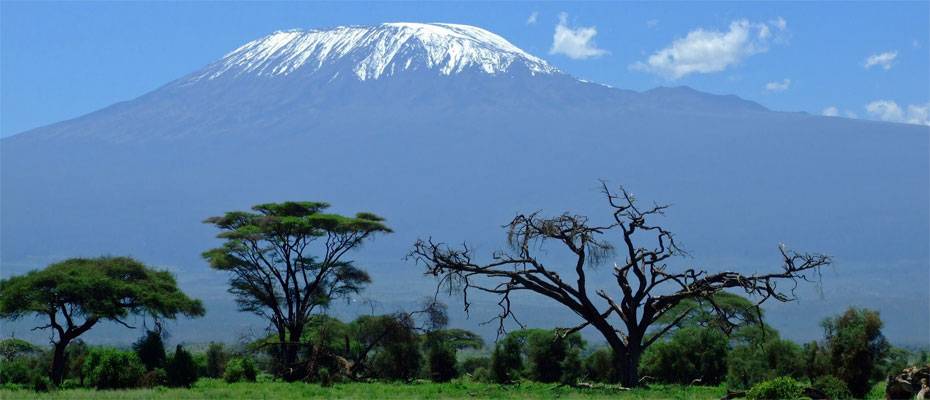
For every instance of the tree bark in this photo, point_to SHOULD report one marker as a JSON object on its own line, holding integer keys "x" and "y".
{"x": 59, "y": 362}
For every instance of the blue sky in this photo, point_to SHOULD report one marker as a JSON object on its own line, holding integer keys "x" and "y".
{"x": 62, "y": 60}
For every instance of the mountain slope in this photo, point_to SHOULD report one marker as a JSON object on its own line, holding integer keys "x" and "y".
{"x": 454, "y": 155}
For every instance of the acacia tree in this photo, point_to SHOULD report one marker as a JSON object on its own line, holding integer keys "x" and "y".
{"x": 646, "y": 289}
{"x": 286, "y": 261}
{"x": 78, "y": 293}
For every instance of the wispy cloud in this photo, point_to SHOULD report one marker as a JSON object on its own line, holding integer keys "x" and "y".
{"x": 531, "y": 20}
{"x": 831, "y": 111}
{"x": 576, "y": 43}
{"x": 778, "y": 86}
{"x": 885, "y": 60}
{"x": 706, "y": 51}
{"x": 887, "y": 110}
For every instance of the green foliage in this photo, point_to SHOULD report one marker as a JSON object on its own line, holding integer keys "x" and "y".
{"x": 690, "y": 355}
{"x": 572, "y": 370}
{"x": 240, "y": 369}
{"x": 182, "y": 371}
{"x": 12, "y": 348}
{"x": 816, "y": 360}
{"x": 103, "y": 288}
{"x": 216, "y": 360}
{"x": 472, "y": 364}
{"x": 107, "y": 368}
{"x": 151, "y": 350}
{"x": 441, "y": 360}
{"x": 723, "y": 311}
{"x": 762, "y": 355}
{"x": 507, "y": 360}
{"x": 833, "y": 387}
{"x": 398, "y": 360}
{"x": 599, "y": 366}
{"x": 545, "y": 352}
{"x": 856, "y": 345}
{"x": 325, "y": 377}
{"x": 781, "y": 388}
{"x": 16, "y": 371}
{"x": 154, "y": 378}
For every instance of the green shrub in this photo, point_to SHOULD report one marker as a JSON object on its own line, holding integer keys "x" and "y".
{"x": 151, "y": 350}
{"x": 41, "y": 383}
{"x": 240, "y": 369}
{"x": 472, "y": 364}
{"x": 572, "y": 370}
{"x": 598, "y": 366}
{"x": 441, "y": 360}
{"x": 154, "y": 378}
{"x": 545, "y": 352}
{"x": 16, "y": 371}
{"x": 182, "y": 371}
{"x": 754, "y": 362}
{"x": 216, "y": 359}
{"x": 689, "y": 355}
{"x": 325, "y": 378}
{"x": 781, "y": 388}
{"x": 106, "y": 368}
{"x": 833, "y": 387}
{"x": 507, "y": 360}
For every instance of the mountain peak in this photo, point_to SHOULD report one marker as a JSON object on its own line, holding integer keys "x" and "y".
{"x": 371, "y": 52}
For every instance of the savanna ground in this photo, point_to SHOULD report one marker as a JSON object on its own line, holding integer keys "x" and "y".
{"x": 218, "y": 389}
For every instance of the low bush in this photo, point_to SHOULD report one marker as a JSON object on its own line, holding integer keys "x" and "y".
{"x": 106, "y": 368}
{"x": 782, "y": 388}
{"x": 441, "y": 362}
{"x": 182, "y": 371}
{"x": 690, "y": 355}
{"x": 598, "y": 366}
{"x": 16, "y": 371}
{"x": 154, "y": 378}
{"x": 240, "y": 369}
{"x": 833, "y": 387}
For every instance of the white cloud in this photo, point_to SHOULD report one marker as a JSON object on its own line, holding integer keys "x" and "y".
{"x": 778, "y": 86}
{"x": 850, "y": 114}
{"x": 887, "y": 110}
{"x": 830, "y": 112}
{"x": 577, "y": 43}
{"x": 703, "y": 51}
{"x": 531, "y": 20}
{"x": 885, "y": 60}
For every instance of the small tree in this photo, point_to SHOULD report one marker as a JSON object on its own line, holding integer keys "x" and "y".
{"x": 507, "y": 360}
{"x": 442, "y": 363}
{"x": 76, "y": 294}
{"x": 691, "y": 355}
{"x": 216, "y": 360}
{"x": 286, "y": 261}
{"x": 151, "y": 350}
{"x": 856, "y": 345}
{"x": 644, "y": 288}
{"x": 182, "y": 370}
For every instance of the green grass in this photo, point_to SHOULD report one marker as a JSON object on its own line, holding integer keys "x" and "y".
{"x": 216, "y": 389}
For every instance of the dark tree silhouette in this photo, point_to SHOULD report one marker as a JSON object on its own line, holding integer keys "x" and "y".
{"x": 286, "y": 261}
{"x": 74, "y": 295}
{"x": 645, "y": 291}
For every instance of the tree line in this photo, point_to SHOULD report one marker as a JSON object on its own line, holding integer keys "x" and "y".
{"x": 287, "y": 263}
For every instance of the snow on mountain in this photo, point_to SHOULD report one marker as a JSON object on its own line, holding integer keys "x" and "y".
{"x": 377, "y": 51}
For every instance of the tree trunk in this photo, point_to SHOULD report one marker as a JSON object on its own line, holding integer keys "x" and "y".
{"x": 59, "y": 362}
{"x": 626, "y": 366}
{"x": 293, "y": 371}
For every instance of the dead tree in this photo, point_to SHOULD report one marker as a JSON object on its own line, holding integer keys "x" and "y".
{"x": 646, "y": 288}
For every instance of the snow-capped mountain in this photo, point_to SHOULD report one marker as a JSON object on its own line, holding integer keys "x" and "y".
{"x": 370, "y": 52}
{"x": 448, "y": 131}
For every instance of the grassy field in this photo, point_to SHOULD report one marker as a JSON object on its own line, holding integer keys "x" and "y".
{"x": 215, "y": 389}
